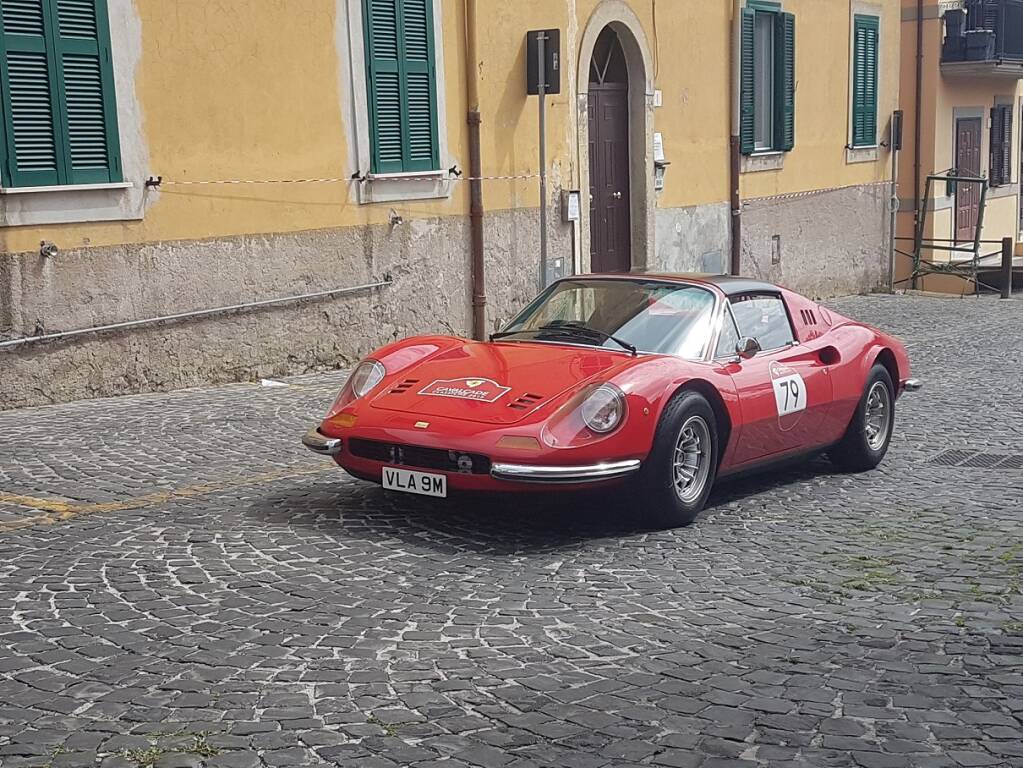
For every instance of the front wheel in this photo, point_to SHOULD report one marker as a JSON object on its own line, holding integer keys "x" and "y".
{"x": 679, "y": 473}
{"x": 866, "y": 440}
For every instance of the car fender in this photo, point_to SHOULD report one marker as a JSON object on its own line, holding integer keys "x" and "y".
{"x": 892, "y": 354}
{"x": 860, "y": 347}
{"x": 400, "y": 355}
{"x": 651, "y": 384}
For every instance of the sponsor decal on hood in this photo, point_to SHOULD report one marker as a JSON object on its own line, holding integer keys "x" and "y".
{"x": 480, "y": 390}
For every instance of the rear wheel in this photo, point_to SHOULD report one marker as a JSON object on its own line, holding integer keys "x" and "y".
{"x": 866, "y": 440}
{"x": 679, "y": 473}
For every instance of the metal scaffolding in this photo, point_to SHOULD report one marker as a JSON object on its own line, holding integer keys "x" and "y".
{"x": 965, "y": 268}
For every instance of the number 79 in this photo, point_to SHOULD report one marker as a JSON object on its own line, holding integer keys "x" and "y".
{"x": 791, "y": 388}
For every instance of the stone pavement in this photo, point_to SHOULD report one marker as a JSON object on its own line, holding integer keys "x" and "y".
{"x": 181, "y": 584}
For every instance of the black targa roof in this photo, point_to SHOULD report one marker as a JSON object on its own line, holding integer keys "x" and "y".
{"x": 730, "y": 285}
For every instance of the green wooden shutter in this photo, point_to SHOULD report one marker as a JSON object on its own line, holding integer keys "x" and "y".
{"x": 1006, "y": 156}
{"x": 382, "y": 63}
{"x": 59, "y": 109}
{"x": 785, "y": 82}
{"x": 419, "y": 81}
{"x": 865, "y": 54}
{"x": 86, "y": 102}
{"x": 747, "y": 77}
{"x": 33, "y": 156}
{"x": 1000, "y": 166}
{"x": 402, "y": 85}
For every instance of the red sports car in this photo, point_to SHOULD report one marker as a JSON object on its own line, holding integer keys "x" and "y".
{"x": 667, "y": 382}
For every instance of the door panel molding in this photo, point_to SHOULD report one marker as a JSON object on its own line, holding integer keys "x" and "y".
{"x": 610, "y": 182}
{"x": 968, "y": 149}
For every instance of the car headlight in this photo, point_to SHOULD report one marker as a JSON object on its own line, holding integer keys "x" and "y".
{"x": 367, "y": 375}
{"x": 604, "y": 409}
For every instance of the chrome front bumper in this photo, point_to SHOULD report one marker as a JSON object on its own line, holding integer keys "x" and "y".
{"x": 588, "y": 473}
{"x": 912, "y": 385}
{"x": 319, "y": 443}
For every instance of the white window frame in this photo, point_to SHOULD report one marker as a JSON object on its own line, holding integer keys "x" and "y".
{"x": 125, "y": 200}
{"x": 391, "y": 187}
{"x": 866, "y": 154}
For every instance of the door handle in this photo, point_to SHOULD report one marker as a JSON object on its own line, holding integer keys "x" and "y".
{"x": 616, "y": 195}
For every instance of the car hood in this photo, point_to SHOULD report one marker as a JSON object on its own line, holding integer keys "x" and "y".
{"x": 494, "y": 383}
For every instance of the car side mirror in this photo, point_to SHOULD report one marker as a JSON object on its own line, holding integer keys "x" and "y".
{"x": 747, "y": 347}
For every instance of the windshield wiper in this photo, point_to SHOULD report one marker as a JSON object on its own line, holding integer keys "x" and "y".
{"x": 570, "y": 329}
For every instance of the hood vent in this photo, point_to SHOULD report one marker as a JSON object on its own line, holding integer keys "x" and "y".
{"x": 525, "y": 402}
{"x": 404, "y": 387}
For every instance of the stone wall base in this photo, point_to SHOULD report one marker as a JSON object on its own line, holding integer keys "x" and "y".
{"x": 428, "y": 262}
{"x": 827, "y": 244}
{"x": 822, "y": 245}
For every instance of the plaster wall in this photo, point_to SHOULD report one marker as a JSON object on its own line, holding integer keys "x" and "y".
{"x": 427, "y": 261}
{"x": 828, "y": 244}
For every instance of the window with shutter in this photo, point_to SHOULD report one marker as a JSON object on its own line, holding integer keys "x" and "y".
{"x": 402, "y": 85}
{"x": 56, "y": 77}
{"x": 866, "y": 36}
{"x": 767, "y": 87}
{"x": 1001, "y": 145}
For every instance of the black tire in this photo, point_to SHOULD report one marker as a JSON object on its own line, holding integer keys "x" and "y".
{"x": 864, "y": 446}
{"x": 664, "y": 504}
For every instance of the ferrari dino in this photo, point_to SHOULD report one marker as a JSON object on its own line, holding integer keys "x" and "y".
{"x": 667, "y": 383}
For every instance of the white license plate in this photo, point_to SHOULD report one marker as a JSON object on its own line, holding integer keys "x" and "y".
{"x": 423, "y": 483}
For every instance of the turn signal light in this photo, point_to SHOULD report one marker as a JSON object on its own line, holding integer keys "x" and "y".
{"x": 515, "y": 443}
{"x": 345, "y": 420}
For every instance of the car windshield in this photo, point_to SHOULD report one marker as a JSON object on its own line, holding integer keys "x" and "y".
{"x": 652, "y": 316}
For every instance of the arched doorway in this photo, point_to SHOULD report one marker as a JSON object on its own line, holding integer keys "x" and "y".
{"x": 607, "y": 111}
{"x": 614, "y": 84}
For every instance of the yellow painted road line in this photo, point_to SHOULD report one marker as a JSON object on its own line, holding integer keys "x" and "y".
{"x": 59, "y": 511}
{"x": 47, "y": 505}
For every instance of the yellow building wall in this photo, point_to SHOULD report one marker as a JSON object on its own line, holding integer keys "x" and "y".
{"x": 1001, "y": 219}
{"x": 942, "y": 94}
{"x": 229, "y": 93}
{"x": 818, "y": 161}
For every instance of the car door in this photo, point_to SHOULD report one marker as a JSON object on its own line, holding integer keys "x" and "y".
{"x": 784, "y": 390}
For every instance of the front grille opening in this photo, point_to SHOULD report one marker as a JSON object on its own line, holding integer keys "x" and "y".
{"x": 421, "y": 458}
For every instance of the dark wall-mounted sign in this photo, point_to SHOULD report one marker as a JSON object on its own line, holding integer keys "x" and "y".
{"x": 551, "y": 74}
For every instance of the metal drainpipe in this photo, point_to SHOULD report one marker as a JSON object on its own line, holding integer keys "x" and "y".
{"x": 917, "y": 127}
{"x": 479, "y": 292}
{"x": 735, "y": 261}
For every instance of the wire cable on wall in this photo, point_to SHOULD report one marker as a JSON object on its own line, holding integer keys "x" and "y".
{"x": 159, "y": 181}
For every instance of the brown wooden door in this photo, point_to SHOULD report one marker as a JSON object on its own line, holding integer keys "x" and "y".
{"x": 610, "y": 220}
{"x": 968, "y": 139}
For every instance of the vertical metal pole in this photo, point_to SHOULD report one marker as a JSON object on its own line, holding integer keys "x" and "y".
{"x": 918, "y": 234}
{"x": 976, "y": 238}
{"x": 734, "y": 148}
{"x": 893, "y": 205}
{"x": 541, "y": 69}
{"x": 1006, "y": 267}
{"x": 479, "y": 283}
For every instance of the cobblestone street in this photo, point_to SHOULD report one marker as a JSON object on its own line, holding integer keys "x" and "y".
{"x": 182, "y": 584}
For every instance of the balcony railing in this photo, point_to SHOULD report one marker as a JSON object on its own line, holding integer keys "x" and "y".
{"x": 984, "y": 31}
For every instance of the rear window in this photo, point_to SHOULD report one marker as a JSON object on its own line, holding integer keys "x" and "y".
{"x": 763, "y": 317}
